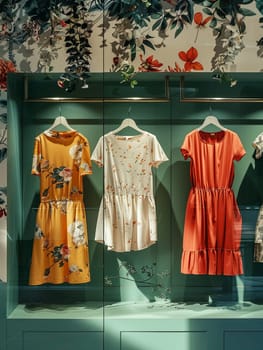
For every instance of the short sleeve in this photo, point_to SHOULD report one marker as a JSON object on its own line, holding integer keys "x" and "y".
{"x": 258, "y": 145}
{"x": 85, "y": 166}
{"x": 238, "y": 148}
{"x": 158, "y": 154}
{"x": 36, "y": 158}
{"x": 97, "y": 154}
{"x": 186, "y": 147}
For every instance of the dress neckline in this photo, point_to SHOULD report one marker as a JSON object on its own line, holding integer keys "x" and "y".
{"x": 211, "y": 137}
{"x": 56, "y": 134}
{"x": 127, "y": 137}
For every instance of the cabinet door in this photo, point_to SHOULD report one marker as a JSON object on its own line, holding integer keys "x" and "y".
{"x": 56, "y": 340}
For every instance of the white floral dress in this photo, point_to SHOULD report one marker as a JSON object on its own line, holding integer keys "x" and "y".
{"x": 258, "y": 249}
{"x": 60, "y": 246}
{"x": 127, "y": 214}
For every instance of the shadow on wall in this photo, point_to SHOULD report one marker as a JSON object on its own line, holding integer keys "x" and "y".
{"x": 142, "y": 276}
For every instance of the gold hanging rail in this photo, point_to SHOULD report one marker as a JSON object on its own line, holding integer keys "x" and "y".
{"x": 131, "y": 99}
{"x": 214, "y": 99}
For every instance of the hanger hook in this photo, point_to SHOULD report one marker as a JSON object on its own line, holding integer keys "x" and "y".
{"x": 60, "y": 111}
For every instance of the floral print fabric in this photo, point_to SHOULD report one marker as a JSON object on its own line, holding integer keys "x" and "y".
{"x": 258, "y": 250}
{"x": 60, "y": 246}
{"x": 213, "y": 223}
{"x": 127, "y": 214}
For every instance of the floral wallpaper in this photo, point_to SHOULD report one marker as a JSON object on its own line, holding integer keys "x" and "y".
{"x": 77, "y": 37}
{"x": 95, "y": 35}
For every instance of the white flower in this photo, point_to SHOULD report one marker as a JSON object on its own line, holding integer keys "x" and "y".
{"x": 76, "y": 230}
{"x": 38, "y": 232}
{"x": 128, "y": 34}
{"x": 66, "y": 173}
{"x": 73, "y": 268}
{"x": 85, "y": 166}
{"x": 76, "y": 152}
{"x": 35, "y": 162}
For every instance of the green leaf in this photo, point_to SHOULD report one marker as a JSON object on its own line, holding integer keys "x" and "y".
{"x": 142, "y": 23}
{"x": 207, "y": 3}
{"x": 135, "y": 82}
{"x": 142, "y": 48}
{"x": 3, "y": 190}
{"x": 221, "y": 13}
{"x": 157, "y": 24}
{"x": 191, "y": 12}
{"x": 208, "y": 11}
{"x": 164, "y": 24}
{"x": 246, "y": 12}
{"x": 156, "y": 15}
{"x": 130, "y": 70}
{"x": 178, "y": 31}
{"x": 133, "y": 52}
{"x": 174, "y": 24}
{"x": 247, "y": 1}
{"x": 216, "y": 4}
{"x": 187, "y": 19}
{"x": 3, "y": 118}
{"x": 242, "y": 27}
{"x": 213, "y": 23}
{"x": 260, "y": 6}
{"x": 3, "y": 154}
{"x": 149, "y": 44}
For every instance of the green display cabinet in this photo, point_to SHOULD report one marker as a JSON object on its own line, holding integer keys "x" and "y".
{"x": 136, "y": 300}
{"x": 2, "y": 316}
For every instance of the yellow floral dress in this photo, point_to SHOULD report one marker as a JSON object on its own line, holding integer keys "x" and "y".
{"x": 60, "y": 246}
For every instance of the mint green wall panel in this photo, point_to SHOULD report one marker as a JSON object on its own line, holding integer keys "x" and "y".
{"x": 2, "y": 316}
{"x": 62, "y": 340}
{"x": 164, "y": 340}
{"x": 243, "y": 340}
{"x": 134, "y": 277}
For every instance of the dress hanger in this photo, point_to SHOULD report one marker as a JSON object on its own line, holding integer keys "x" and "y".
{"x": 128, "y": 122}
{"x": 60, "y": 120}
{"x": 211, "y": 120}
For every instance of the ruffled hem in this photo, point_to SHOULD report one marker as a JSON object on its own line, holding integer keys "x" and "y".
{"x": 212, "y": 261}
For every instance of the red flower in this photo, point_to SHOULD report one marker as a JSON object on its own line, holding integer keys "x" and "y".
{"x": 5, "y": 67}
{"x": 65, "y": 251}
{"x": 116, "y": 60}
{"x": 198, "y": 18}
{"x": 189, "y": 58}
{"x": 63, "y": 23}
{"x": 60, "y": 83}
{"x": 176, "y": 68}
{"x": 149, "y": 64}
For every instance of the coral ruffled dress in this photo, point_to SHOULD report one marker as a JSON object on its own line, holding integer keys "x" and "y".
{"x": 60, "y": 247}
{"x": 213, "y": 223}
